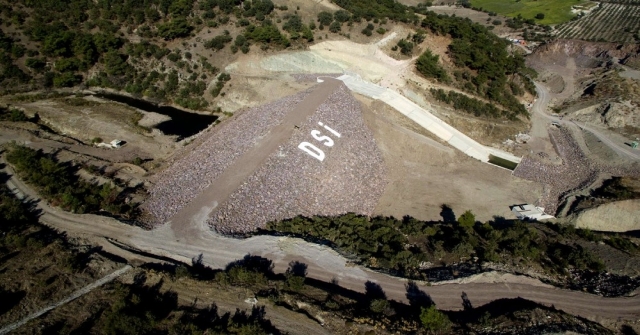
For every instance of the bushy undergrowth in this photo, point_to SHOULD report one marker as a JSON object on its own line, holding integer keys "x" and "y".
{"x": 404, "y": 246}
{"x": 58, "y": 183}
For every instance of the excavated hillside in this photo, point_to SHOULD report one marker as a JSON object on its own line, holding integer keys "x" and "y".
{"x": 594, "y": 83}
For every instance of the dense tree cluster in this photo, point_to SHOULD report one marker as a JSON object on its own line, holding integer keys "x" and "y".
{"x": 403, "y": 246}
{"x": 379, "y": 9}
{"x": 58, "y": 183}
{"x": 9, "y": 52}
{"x": 14, "y": 215}
{"x": 266, "y": 33}
{"x": 77, "y": 37}
{"x": 491, "y": 70}
{"x": 469, "y": 105}
{"x": 428, "y": 65}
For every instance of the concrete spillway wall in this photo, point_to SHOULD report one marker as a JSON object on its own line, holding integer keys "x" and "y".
{"x": 426, "y": 119}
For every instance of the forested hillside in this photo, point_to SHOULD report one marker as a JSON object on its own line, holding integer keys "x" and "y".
{"x": 146, "y": 47}
{"x": 123, "y": 44}
{"x": 412, "y": 248}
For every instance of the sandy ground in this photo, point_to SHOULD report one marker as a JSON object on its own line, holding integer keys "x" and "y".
{"x": 85, "y": 119}
{"x": 151, "y": 119}
{"x": 619, "y": 216}
{"x": 424, "y": 174}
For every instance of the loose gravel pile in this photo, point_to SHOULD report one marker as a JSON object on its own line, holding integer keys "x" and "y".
{"x": 313, "y": 77}
{"x": 193, "y": 172}
{"x": 576, "y": 172}
{"x": 291, "y": 182}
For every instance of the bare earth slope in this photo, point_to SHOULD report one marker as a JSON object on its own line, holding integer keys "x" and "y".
{"x": 619, "y": 216}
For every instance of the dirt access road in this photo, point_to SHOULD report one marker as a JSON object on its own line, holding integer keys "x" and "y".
{"x": 540, "y": 107}
{"x": 323, "y": 263}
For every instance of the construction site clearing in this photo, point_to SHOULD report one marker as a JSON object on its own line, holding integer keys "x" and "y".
{"x": 413, "y": 156}
{"x": 313, "y": 154}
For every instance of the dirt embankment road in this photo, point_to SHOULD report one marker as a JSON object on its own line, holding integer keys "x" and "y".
{"x": 540, "y": 107}
{"x": 323, "y": 264}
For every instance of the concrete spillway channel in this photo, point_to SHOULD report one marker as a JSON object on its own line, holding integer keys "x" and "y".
{"x": 427, "y": 120}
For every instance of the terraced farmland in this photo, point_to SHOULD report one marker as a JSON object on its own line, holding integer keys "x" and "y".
{"x": 615, "y": 21}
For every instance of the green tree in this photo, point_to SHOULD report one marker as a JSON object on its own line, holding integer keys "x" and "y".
{"x": 115, "y": 64}
{"x": 35, "y": 63}
{"x": 342, "y": 16}
{"x": 294, "y": 282}
{"x": 325, "y": 18}
{"x": 293, "y": 24}
{"x": 419, "y": 37}
{"x": 433, "y": 320}
{"x": 406, "y": 47}
{"x": 335, "y": 27}
{"x": 378, "y": 305}
{"x": 176, "y": 28}
{"x": 427, "y": 65}
{"x": 540, "y": 16}
{"x": 17, "y": 116}
{"x": 66, "y": 79}
{"x": 467, "y": 219}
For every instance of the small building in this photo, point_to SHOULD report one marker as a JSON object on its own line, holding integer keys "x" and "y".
{"x": 530, "y": 212}
{"x": 116, "y": 143}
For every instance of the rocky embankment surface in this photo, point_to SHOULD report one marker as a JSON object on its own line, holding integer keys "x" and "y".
{"x": 588, "y": 52}
{"x": 346, "y": 176}
{"x": 575, "y": 173}
{"x": 196, "y": 170}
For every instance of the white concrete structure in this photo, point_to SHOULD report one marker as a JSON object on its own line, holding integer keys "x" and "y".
{"x": 530, "y": 212}
{"x": 425, "y": 119}
{"x": 113, "y": 144}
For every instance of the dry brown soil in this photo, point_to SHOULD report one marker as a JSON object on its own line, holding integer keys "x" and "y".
{"x": 83, "y": 119}
{"x": 424, "y": 174}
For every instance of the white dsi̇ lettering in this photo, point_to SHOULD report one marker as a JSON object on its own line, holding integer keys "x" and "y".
{"x": 326, "y": 140}
{"x": 312, "y": 150}
{"x": 329, "y": 129}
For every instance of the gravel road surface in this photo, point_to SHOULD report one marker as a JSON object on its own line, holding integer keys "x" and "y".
{"x": 540, "y": 107}
{"x": 323, "y": 264}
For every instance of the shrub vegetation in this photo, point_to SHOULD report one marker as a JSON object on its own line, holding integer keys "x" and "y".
{"x": 402, "y": 246}
{"x": 58, "y": 183}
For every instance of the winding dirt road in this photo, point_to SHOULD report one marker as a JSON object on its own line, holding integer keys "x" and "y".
{"x": 540, "y": 107}
{"x": 323, "y": 263}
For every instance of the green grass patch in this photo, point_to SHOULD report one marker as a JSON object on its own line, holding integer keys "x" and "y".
{"x": 555, "y": 11}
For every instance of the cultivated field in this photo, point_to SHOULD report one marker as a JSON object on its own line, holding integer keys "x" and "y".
{"x": 610, "y": 22}
{"x": 555, "y": 11}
